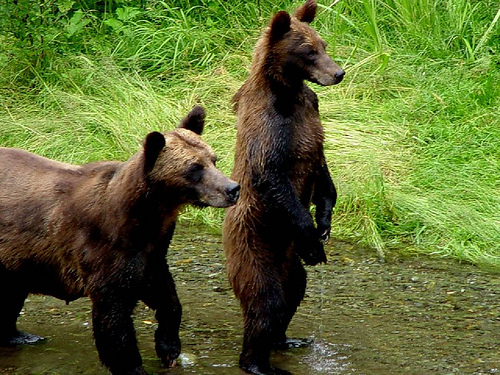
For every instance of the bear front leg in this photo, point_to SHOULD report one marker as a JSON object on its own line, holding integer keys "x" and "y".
{"x": 279, "y": 197}
{"x": 160, "y": 295}
{"x": 324, "y": 197}
{"x": 12, "y": 298}
{"x": 114, "y": 334}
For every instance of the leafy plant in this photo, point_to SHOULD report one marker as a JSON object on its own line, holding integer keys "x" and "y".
{"x": 411, "y": 134}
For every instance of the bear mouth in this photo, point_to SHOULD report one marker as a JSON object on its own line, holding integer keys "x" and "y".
{"x": 200, "y": 204}
{"x": 328, "y": 81}
{"x": 327, "y": 78}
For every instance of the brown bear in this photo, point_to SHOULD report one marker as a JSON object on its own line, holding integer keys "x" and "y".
{"x": 102, "y": 230}
{"x": 281, "y": 167}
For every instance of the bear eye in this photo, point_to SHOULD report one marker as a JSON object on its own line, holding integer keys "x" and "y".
{"x": 195, "y": 172}
{"x": 311, "y": 56}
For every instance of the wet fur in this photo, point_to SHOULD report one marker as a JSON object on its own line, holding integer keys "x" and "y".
{"x": 102, "y": 230}
{"x": 281, "y": 167}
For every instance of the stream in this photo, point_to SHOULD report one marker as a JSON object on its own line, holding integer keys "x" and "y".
{"x": 407, "y": 315}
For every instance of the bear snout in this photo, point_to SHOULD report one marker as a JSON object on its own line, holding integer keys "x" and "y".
{"x": 217, "y": 190}
{"x": 328, "y": 77}
{"x": 339, "y": 76}
{"x": 233, "y": 193}
{"x": 326, "y": 72}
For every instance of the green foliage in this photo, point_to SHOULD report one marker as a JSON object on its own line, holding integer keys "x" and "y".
{"x": 411, "y": 134}
{"x": 158, "y": 38}
{"x": 34, "y": 34}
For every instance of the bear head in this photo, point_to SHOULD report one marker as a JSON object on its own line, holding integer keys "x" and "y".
{"x": 181, "y": 163}
{"x": 294, "y": 52}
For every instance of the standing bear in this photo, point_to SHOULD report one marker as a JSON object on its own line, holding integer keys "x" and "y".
{"x": 281, "y": 167}
{"x": 102, "y": 230}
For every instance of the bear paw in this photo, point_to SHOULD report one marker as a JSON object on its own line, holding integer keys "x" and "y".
{"x": 311, "y": 252}
{"x": 168, "y": 353}
{"x": 22, "y": 338}
{"x": 293, "y": 343}
{"x": 263, "y": 370}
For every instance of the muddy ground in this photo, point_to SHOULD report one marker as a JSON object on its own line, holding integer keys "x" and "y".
{"x": 412, "y": 315}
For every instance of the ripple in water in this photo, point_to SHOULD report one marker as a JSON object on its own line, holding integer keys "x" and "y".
{"x": 327, "y": 358}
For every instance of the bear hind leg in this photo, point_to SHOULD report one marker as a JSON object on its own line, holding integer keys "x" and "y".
{"x": 264, "y": 316}
{"x": 294, "y": 287}
{"x": 257, "y": 346}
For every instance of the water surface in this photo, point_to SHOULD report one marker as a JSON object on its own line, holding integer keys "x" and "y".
{"x": 404, "y": 316}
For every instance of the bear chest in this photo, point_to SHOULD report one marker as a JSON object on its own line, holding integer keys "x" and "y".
{"x": 306, "y": 150}
{"x": 305, "y": 143}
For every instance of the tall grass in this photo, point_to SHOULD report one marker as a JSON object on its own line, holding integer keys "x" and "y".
{"x": 411, "y": 134}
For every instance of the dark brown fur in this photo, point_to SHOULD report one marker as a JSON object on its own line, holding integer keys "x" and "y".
{"x": 102, "y": 230}
{"x": 281, "y": 167}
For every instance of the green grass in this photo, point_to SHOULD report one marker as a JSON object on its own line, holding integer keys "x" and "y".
{"x": 412, "y": 133}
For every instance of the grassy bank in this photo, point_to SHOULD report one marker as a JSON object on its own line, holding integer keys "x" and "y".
{"x": 411, "y": 133}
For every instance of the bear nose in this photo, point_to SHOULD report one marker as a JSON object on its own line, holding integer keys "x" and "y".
{"x": 233, "y": 192}
{"x": 339, "y": 75}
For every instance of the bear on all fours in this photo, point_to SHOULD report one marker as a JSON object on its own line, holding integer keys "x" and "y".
{"x": 102, "y": 230}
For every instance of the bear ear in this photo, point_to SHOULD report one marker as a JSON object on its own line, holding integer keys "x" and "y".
{"x": 280, "y": 25}
{"x": 194, "y": 121}
{"x": 153, "y": 145}
{"x": 306, "y": 12}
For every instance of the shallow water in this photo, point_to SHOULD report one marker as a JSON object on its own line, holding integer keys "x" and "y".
{"x": 404, "y": 316}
